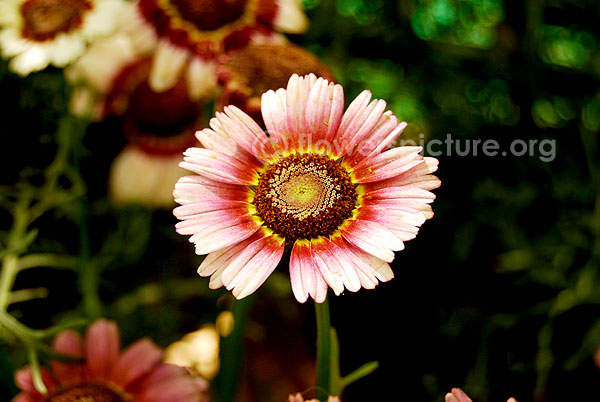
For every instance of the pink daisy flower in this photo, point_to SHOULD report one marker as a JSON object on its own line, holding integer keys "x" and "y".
{"x": 458, "y": 395}
{"x": 323, "y": 183}
{"x": 106, "y": 374}
{"x": 190, "y": 34}
{"x": 299, "y": 398}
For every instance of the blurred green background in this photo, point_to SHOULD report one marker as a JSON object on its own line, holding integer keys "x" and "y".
{"x": 500, "y": 292}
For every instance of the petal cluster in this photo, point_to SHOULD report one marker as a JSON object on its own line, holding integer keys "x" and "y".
{"x": 393, "y": 187}
{"x": 135, "y": 373}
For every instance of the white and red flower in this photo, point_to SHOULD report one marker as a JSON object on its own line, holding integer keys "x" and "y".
{"x": 36, "y": 33}
{"x": 323, "y": 182}
{"x": 105, "y": 373}
{"x": 190, "y": 34}
{"x": 111, "y": 79}
{"x": 299, "y": 398}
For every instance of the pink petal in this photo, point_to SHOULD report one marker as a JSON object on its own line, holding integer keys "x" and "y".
{"x": 221, "y": 141}
{"x": 334, "y": 263}
{"x": 297, "y": 93}
{"x": 180, "y": 389}
{"x": 411, "y": 193}
{"x": 370, "y": 269}
{"x": 383, "y": 137}
{"x": 214, "y": 240}
{"x": 213, "y": 220}
{"x": 68, "y": 343}
{"x": 253, "y": 265}
{"x": 135, "y": 362}
{"x": 24, "y": 380}
{"x": 403, "y": 222}
{"x": 372, "y": 238}
{"x": 359, "y": 121}
{"x": 274, "y": 112}
{"x": 220, "y": 259}
{"x": 386, "y": 165}
{"x": 219, "y": 167}
{"x": 245, "y": 132}
{"x": 324, "y": 109}
{"x": 304, "y": 275}
{"x": 102, "y": 345}
{"x": 160, "y": 373}
{"x": 190, "y": 189}
{"x": 418, "y": 176}
{"x": 457, "y": 395}
{"x": 200, "y": 207}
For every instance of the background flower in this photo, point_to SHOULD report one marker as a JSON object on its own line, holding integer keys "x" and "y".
{"x": 36, "y": 33}
{"x": 106, "y": 373}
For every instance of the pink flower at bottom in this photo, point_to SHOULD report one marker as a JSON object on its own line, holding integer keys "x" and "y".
{"x": 107, "y": 374}
{"x": 458, "y": 395}
{"x": 299, "y": 398}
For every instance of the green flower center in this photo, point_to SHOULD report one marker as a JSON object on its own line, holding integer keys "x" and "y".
{"x": 44, "y": 19}
{"x": 304, "y": 196}
{"x": 88, "y": 392}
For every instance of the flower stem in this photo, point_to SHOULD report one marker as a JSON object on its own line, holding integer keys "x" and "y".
{"x": 323, "y": 350}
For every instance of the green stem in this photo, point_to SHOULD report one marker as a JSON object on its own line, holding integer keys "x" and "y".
{"x": 230, "y": 350}
{"x": 323, "y": 350}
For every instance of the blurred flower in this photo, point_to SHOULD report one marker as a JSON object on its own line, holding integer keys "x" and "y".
{"x": 458, "y": 395}
{"x": 112, "y": 80}
{"x": 106, "y": 374}
{"x": 299, "y": 398}
{"x": 36, "y": 33}
{"x": 245, "y": 74}
{"x": 323, "y": 183}
{"x": 191, "y": 34}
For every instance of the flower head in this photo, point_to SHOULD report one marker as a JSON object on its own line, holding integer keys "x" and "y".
{"x": 107, "y": 374}
{"x": 36, "y": 33}
{"x": 190, "y": 34}
{"x": 458, "y": 395}
{"x": 323, "y": 183}
{"x": 157, "y": 126}
{"x": 299, "y": 398}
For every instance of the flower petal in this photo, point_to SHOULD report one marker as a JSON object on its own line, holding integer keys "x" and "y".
{"x": 24, "y": 380}
{"x": 387, "y": 164}
{"x": 457, "y": 395}
{"x": 68, "y": 343}
{"x": 138, "y": 360}
{"x": 297, "y": 92}
{"x": 246, "y": 271}
{"x": 218, "y": 166}
{"x": 372, "y": 238}
{"x": 305, "y": 277}
{"x": 102, "y": 345}
{"x": 324, "y": 110}
{"x": 167, "y": 65}
{"x": 190, "y": 189}
{"x": 274, "y": 113}
{"x": 214, "y": 240}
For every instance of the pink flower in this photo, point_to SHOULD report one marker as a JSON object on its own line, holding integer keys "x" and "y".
{"x": 107, "y": 374}
{"x": 458, "y": 395}
{"x": 299, "y": 398}
{"x": 322, "y": 182}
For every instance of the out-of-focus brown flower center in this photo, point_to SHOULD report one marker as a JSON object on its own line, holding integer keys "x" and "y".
{"x": 209, "y": 15}
{"x": 304, "y": 196}
{"x": 88, "y": 392}
{"x": 44, "y": 19}
{"x": 261, "y": 67}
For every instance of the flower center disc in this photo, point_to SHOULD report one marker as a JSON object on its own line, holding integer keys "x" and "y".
{"x": 208, "y": 15}
{"x": 304, "y": 196}
{"x": 44, "y": 19}
{"x": 88, "y": 392}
